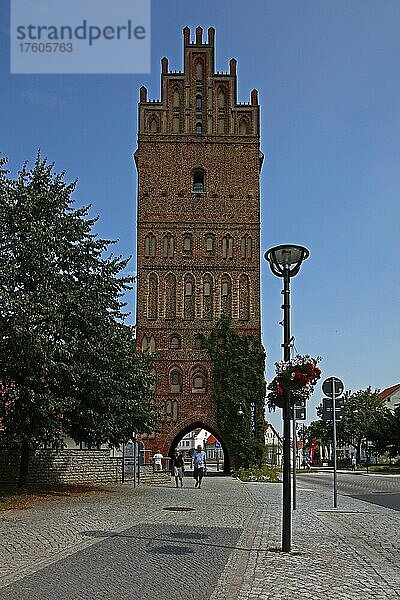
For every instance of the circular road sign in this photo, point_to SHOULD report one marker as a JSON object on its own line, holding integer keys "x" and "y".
{"x": 332, "y": 386}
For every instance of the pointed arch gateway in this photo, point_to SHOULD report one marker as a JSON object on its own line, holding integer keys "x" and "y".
{"x": 191, "y": 426}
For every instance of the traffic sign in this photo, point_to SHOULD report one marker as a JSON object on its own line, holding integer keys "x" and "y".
{"x": 327, "y": 416}
{"x": 333, "y": 385}
{"x": 300, "y": 413}
{"x": 327, "y": 409}
{"x": 328, "y": 403}
{"x": 299, "y": 403}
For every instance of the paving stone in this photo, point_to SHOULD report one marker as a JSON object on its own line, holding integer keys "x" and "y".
{"x": 123, "y": 541}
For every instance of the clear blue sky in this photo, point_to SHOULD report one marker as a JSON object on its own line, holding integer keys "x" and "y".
{"x": 329, "y": 81}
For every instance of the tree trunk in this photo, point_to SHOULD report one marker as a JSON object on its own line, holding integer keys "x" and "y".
{"x": 358, "y": 451}
{"x": 24, "y": 463}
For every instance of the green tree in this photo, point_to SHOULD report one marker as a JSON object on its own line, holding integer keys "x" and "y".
{"x": 394, "y": 432}
{"x": 321, "y": 432}
{"x": 238, "y": 381}
{"x": 363, "y": 411}
{"x": 67, "y": 361}
{"x": 386, "y": 433}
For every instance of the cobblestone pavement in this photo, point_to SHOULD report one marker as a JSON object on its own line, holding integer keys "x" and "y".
{"x": 123, "y": 541}
{"x": 337, "y": 554}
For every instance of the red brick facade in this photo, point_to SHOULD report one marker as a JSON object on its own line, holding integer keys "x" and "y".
{"x": 198, "y": 161}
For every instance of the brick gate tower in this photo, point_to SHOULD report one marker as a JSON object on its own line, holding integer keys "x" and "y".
{"x": 198, "y": 230}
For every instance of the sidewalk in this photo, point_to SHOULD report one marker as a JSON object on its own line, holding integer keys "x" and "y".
{"x": 343, "y": 553}
{"x": 219, "y": 543}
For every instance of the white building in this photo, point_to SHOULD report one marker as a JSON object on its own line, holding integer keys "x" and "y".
{"x": 273, "y": 444}
{"x": 391, "y": 396}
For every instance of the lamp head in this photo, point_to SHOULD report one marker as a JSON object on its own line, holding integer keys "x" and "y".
{"x": 286, "y": 258}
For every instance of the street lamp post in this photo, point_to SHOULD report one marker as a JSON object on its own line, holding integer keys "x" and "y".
{"x": 285, "y": 261}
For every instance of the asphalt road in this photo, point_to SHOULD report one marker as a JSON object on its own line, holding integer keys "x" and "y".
{"x": 383, "y": 490}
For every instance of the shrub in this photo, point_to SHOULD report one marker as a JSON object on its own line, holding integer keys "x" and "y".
{"x": 266, "y": 474}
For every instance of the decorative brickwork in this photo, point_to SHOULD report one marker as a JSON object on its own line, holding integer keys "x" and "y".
{"x": 198, "y": 161}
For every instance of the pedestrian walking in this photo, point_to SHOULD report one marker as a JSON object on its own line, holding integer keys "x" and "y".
{"x": 177, "y": 467}
{"x": 199, "y": 462}
{"x": 353, "y": 463}
{"x": 158, "y": 461}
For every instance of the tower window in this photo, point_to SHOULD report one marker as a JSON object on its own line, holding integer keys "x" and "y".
{"x": 226, "y": 295}
{"x": 198, "y": 342}
{"x": 152, "y": 310}
{"x": 199, "y": 379}
{"x": 209, "y": 244}
{"x": 198, "y": 181}
{"x": 189, "y": 298}
{"x": 198, "y": 384}
{"x": 198, "y": 102}
{"x": 188, "y": 288}
{"x": 150, "y": 246}
{"x": 199, "y": 128}
{"x": 244, "y": 127}
{"x": 227, "y": 246}
{"x": 187, "y": 244}
{"x": 176, "y": 382}
{"x": 170, "y": 296}
{"x": 152, "y": 344}
{"x": 208, "y": 302}
{"x": 168, "y": 246}
{"x": 153, "y": 125}
{"x": 175, "y": 342}
{"x": 145, "y": 344}
{"x": 246, "y": 247}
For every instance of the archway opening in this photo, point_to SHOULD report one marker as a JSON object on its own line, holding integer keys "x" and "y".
{"x": 198, "y": 433}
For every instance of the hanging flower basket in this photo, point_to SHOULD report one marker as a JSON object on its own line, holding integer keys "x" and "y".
{"x": 298, "y": 376}
{"x": 298, "y": 372}
{"x": 291, "y": 384}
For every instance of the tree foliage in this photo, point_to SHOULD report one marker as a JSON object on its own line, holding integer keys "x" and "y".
{"x": 321, "y": 432}
{"x": 67, "y": 361}
{"x": 238, "y": 381}
{"x": 363, "y": 413}
{"x": 386, "y": 433}
{"x": 365, "y": 418}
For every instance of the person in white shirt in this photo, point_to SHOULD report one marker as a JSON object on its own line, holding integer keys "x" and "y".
{"x": 158, "y": 461}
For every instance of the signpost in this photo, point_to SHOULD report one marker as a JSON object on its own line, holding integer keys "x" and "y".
{"x": 333, "y": 388}
{"x": 131, "y": 460}
{"x": 297, "y": 413}
{"x": 217, "y": 453}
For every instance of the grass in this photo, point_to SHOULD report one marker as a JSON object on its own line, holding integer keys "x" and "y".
{"x": 379, "y": 468}
{"x": 24, "y": 498}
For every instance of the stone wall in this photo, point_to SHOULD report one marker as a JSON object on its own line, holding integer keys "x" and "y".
{"x": 63, "y": 467}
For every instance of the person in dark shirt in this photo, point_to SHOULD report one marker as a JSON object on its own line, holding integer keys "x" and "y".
{"x": 177, "y": 467}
